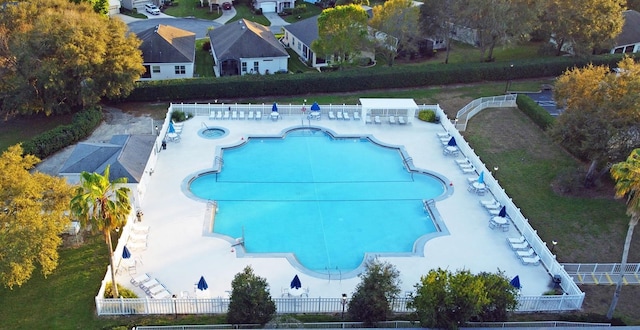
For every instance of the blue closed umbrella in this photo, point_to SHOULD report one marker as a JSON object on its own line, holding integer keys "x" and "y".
{"x": 125, "y": 253}
{"x": 202, "y": 284}
{"x": 452, "y": 142}
{"x": 481, "y": 177}
{"x": 171, "y": 128}
{"x": 274, "y": 108}
{"x": 315, "y": 107}
{"x": 295, "y": 283}
{"x": 515, "y": 282}
{"x": 503, "y": 212}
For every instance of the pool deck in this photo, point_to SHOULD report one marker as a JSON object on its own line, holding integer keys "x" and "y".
{"x": 179, "y": 251}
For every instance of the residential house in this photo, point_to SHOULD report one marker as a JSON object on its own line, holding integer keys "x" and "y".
{"x": 299, "y": 36}
{"x": 246, "y": 47}
{"x": 273, "y": 6}
{"x": 167, "y": 52}
{"x": 628, "y": 41}
{"x": 114, "y": 7}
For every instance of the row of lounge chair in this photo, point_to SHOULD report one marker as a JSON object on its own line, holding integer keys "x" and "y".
{"x": 524, "y": 251}
{"x": 257, "y": 115}
{"x": 343, "y": 115}
{"x": 392, "y": 120}
{"x": 151, "y": 286}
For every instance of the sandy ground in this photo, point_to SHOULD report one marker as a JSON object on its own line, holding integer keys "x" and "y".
{"x": 115, "y": 122}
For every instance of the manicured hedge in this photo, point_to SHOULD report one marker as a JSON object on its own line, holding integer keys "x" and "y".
{"x": 533, "y": 110}
{"x": 54, "y": 140}
{"x": 357, "y": 80}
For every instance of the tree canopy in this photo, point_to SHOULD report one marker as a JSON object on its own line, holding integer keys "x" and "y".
{"x": 601, "y": 118}
{"x": 342, "y": 34}
{"x": 250, "y": 301}
{"x": 57, "y": 56}
{"x": 32, "y": 218}
{"x": 436, "y": 19}
{"x": 379, "y": 284}
{"x": 397, "y": 19}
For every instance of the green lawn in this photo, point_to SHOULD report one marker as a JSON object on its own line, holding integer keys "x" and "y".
{"x": 24, "y": 128}
{"x": 243, "y": 11}
{"x": 204, "y": 60}
{"x": 192, "y": 8}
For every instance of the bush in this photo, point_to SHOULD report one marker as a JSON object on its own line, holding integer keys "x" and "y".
{"x": 538, "y": 114}
{"x": 124, "y": 292}
{"x": 206, "y": 46}
{"x": 427, "y": 115}
{"x": 179, "y": 116}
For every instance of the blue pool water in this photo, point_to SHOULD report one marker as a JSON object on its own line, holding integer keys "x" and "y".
{"x": 328, "y": 201}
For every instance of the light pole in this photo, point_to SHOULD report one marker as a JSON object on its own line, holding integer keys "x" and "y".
{"x": 175, "y": 306}
{"x": 553, "y": 245}
{"x": 344, "y": 303}
{"x": 157, "y": 131}
{"x": 506, "y": 88}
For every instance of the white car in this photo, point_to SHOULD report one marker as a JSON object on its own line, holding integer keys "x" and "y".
{"x": 152, "y": 9}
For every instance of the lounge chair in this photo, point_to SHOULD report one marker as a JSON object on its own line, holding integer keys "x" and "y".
{"x": 401, "y": 120}
{"x": 242, "y": 115}
{"x": 525, "y": 253}
{"x": 493, "y": 207}
{"x": 493, "y": 201}
{"x": 331, "y": 115}
{"x": 392, "y": 120}
{"x": 134, "y": 246}
{"x": 339, "y": 115}
{"x": 234, "y": 114}
{"x": 467, "y": 165}
{"x": 156, "y": 290}
{"x": 250, "y": 116}
{"x": 146, "y": 286}
{"x": 468, "y": 170}
{"x": 140, "y": 229}
{"x": 258, "y": 115}
{"x": 137, "y": 238}
{"x": 534, "y": 261}
{"x": 377, "y": 120}
{"x": 226, "y": 115}
{"x": 463, "y": 161}
{"x": 212, "y": 114}
{"x": 177, "y": 125}
{"x": 136, "y": 281}
{"x": 443, "y": 135}
{"x": 519, "y": 246}
{"x": 356, "y": 115}
{"x": 367, "y": 119}
{"x": 516, "y": 240}
{"x": 346, "y": 116}
{"x": 219, "y": 115}
{"x": 164, "y": 294}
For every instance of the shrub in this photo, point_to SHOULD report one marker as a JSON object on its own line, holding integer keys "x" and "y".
{"x": 538, "y": 114}
{"x": 179, "y": 116}
{"x": 427, "y": 115}
{"x": 206, "y": 46}
{"x": 124, "y": 292}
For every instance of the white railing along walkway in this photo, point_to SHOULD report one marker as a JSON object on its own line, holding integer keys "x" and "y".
{"x": 477, "y": 105}
{"x": 604, "y": 274}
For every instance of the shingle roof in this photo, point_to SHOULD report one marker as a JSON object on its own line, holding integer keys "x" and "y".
{"x": 245, "y": 39}
{"x": 127, "y": 155}
{"x": 305, "y": 30}
{"x": 630, "y": 30}
{"x": 167, "y": 44}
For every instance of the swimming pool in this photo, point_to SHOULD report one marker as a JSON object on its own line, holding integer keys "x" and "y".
{"x": 325, "y": 200}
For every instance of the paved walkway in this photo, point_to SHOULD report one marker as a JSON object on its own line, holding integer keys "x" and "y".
{"x": 276, "y": 22}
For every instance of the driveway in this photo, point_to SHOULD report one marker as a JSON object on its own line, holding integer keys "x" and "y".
{"x": 195, "y": 25}
{"x": 545, "y": 99}
{"x": 276, "y": 22}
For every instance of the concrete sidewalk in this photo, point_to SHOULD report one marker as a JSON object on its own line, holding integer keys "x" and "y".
{"x": 276, "y": 22}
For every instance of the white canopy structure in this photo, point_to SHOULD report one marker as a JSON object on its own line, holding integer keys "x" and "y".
{"x": 389, "y": 107}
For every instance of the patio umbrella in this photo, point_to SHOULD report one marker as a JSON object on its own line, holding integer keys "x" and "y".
{"x": 274, "y": 108}
{"x": 125, "y": 253}
{"x": 171, "y": 128}
{"x": 315, "y": 107}
{"x": 202, "y": 284}
{"x": 503, "y": 212}
{"x": 295, "y": 283}
{"x": 515, "y": 282}
{"x": 452, "y": 142}
{"x": 481, "y": 177}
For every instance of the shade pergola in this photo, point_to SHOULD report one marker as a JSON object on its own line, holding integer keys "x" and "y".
{"x": 389, "y": 107}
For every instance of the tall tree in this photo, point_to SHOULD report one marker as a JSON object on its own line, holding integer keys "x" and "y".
{"x": 627, "y": 177}
{"x": 103, "y": 204}
{"x": 250, "y": 301}
{"x": 342, "y": 34}
{"x": 32, "y": 218}
{"x": 583, "y": 26}
{"x": 501, "y": 297}
{"x": 60, "y": 56}
{"x": 601, "y": 119}
{"x": 397, "y": 19}
{"x": 379, "y": 284}
{"x": 437, "y": 18}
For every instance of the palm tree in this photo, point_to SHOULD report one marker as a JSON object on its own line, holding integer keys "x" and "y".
{"x": 105, "y": 206}
{"x": 627, "y": 177}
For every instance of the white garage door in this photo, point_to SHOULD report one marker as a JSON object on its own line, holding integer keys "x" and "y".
{"x": 268, "y": 7}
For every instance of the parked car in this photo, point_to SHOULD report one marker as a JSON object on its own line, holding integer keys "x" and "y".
{"x": 152, "y": 9}
{"x": 226, "y": 5}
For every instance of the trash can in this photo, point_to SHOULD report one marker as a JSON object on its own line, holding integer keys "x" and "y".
{"x": 556, "y": 281}
{"x": 164, "y": 145}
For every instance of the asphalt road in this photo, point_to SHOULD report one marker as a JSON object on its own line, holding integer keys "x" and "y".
{"x": 195, "y": 25}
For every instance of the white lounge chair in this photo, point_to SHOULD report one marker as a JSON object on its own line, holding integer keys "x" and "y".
{"x": 242, "y": 115}
{"x": 356, "y": 115}
{"x": 140, "y": 279}
{"x": 226, "y": 115}
{"x": 516, "y": 240}
{"x": 493, "y": 201}
{"x": 443, "y": 135}
{"x": 137, "y": 238}
{"x": 534, "y": 261}
{"x": 377, "y": 120}
{"x": 519, "y": 246}
{"x": 367, "y": 119}
{"x": 463, "y": 161}
{"x": 463, "y": 165}
{"x": 135, "y": 246}
{"x": 392, "y": 120}
{"x": 219, "y": 115}
{"x": 331, "y": 115}
{"x": 234, "y": 114}
{"x": 250, "y": 116}
{"x": 525, "y": 253}
{"x": 346, "y": 116}
{"x": 212, "y": 114}
{"x": 146, "y": 286}
{"x": 164, "y": 294}
{"x": 139, "y": 229}
{"x": 401, "y": 120}
{"x": 339, "y": 115}
{"x": 258, "y": 115}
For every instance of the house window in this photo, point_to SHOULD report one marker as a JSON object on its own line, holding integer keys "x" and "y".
{"x": 180, "y": 69}
{"x": 299, "y": 46}
{"x": 256, "y": 67}
{"x": 147, "y": 72}
{"x": 286, "y": 5}
{"x": 628, "y": 49}
{"x": 244, "y": 67}
{"x": 156, "y": 69}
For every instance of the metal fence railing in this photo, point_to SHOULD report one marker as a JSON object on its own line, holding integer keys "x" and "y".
{"x": 605, "y": 274}
{"x": 477, "y": 105}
